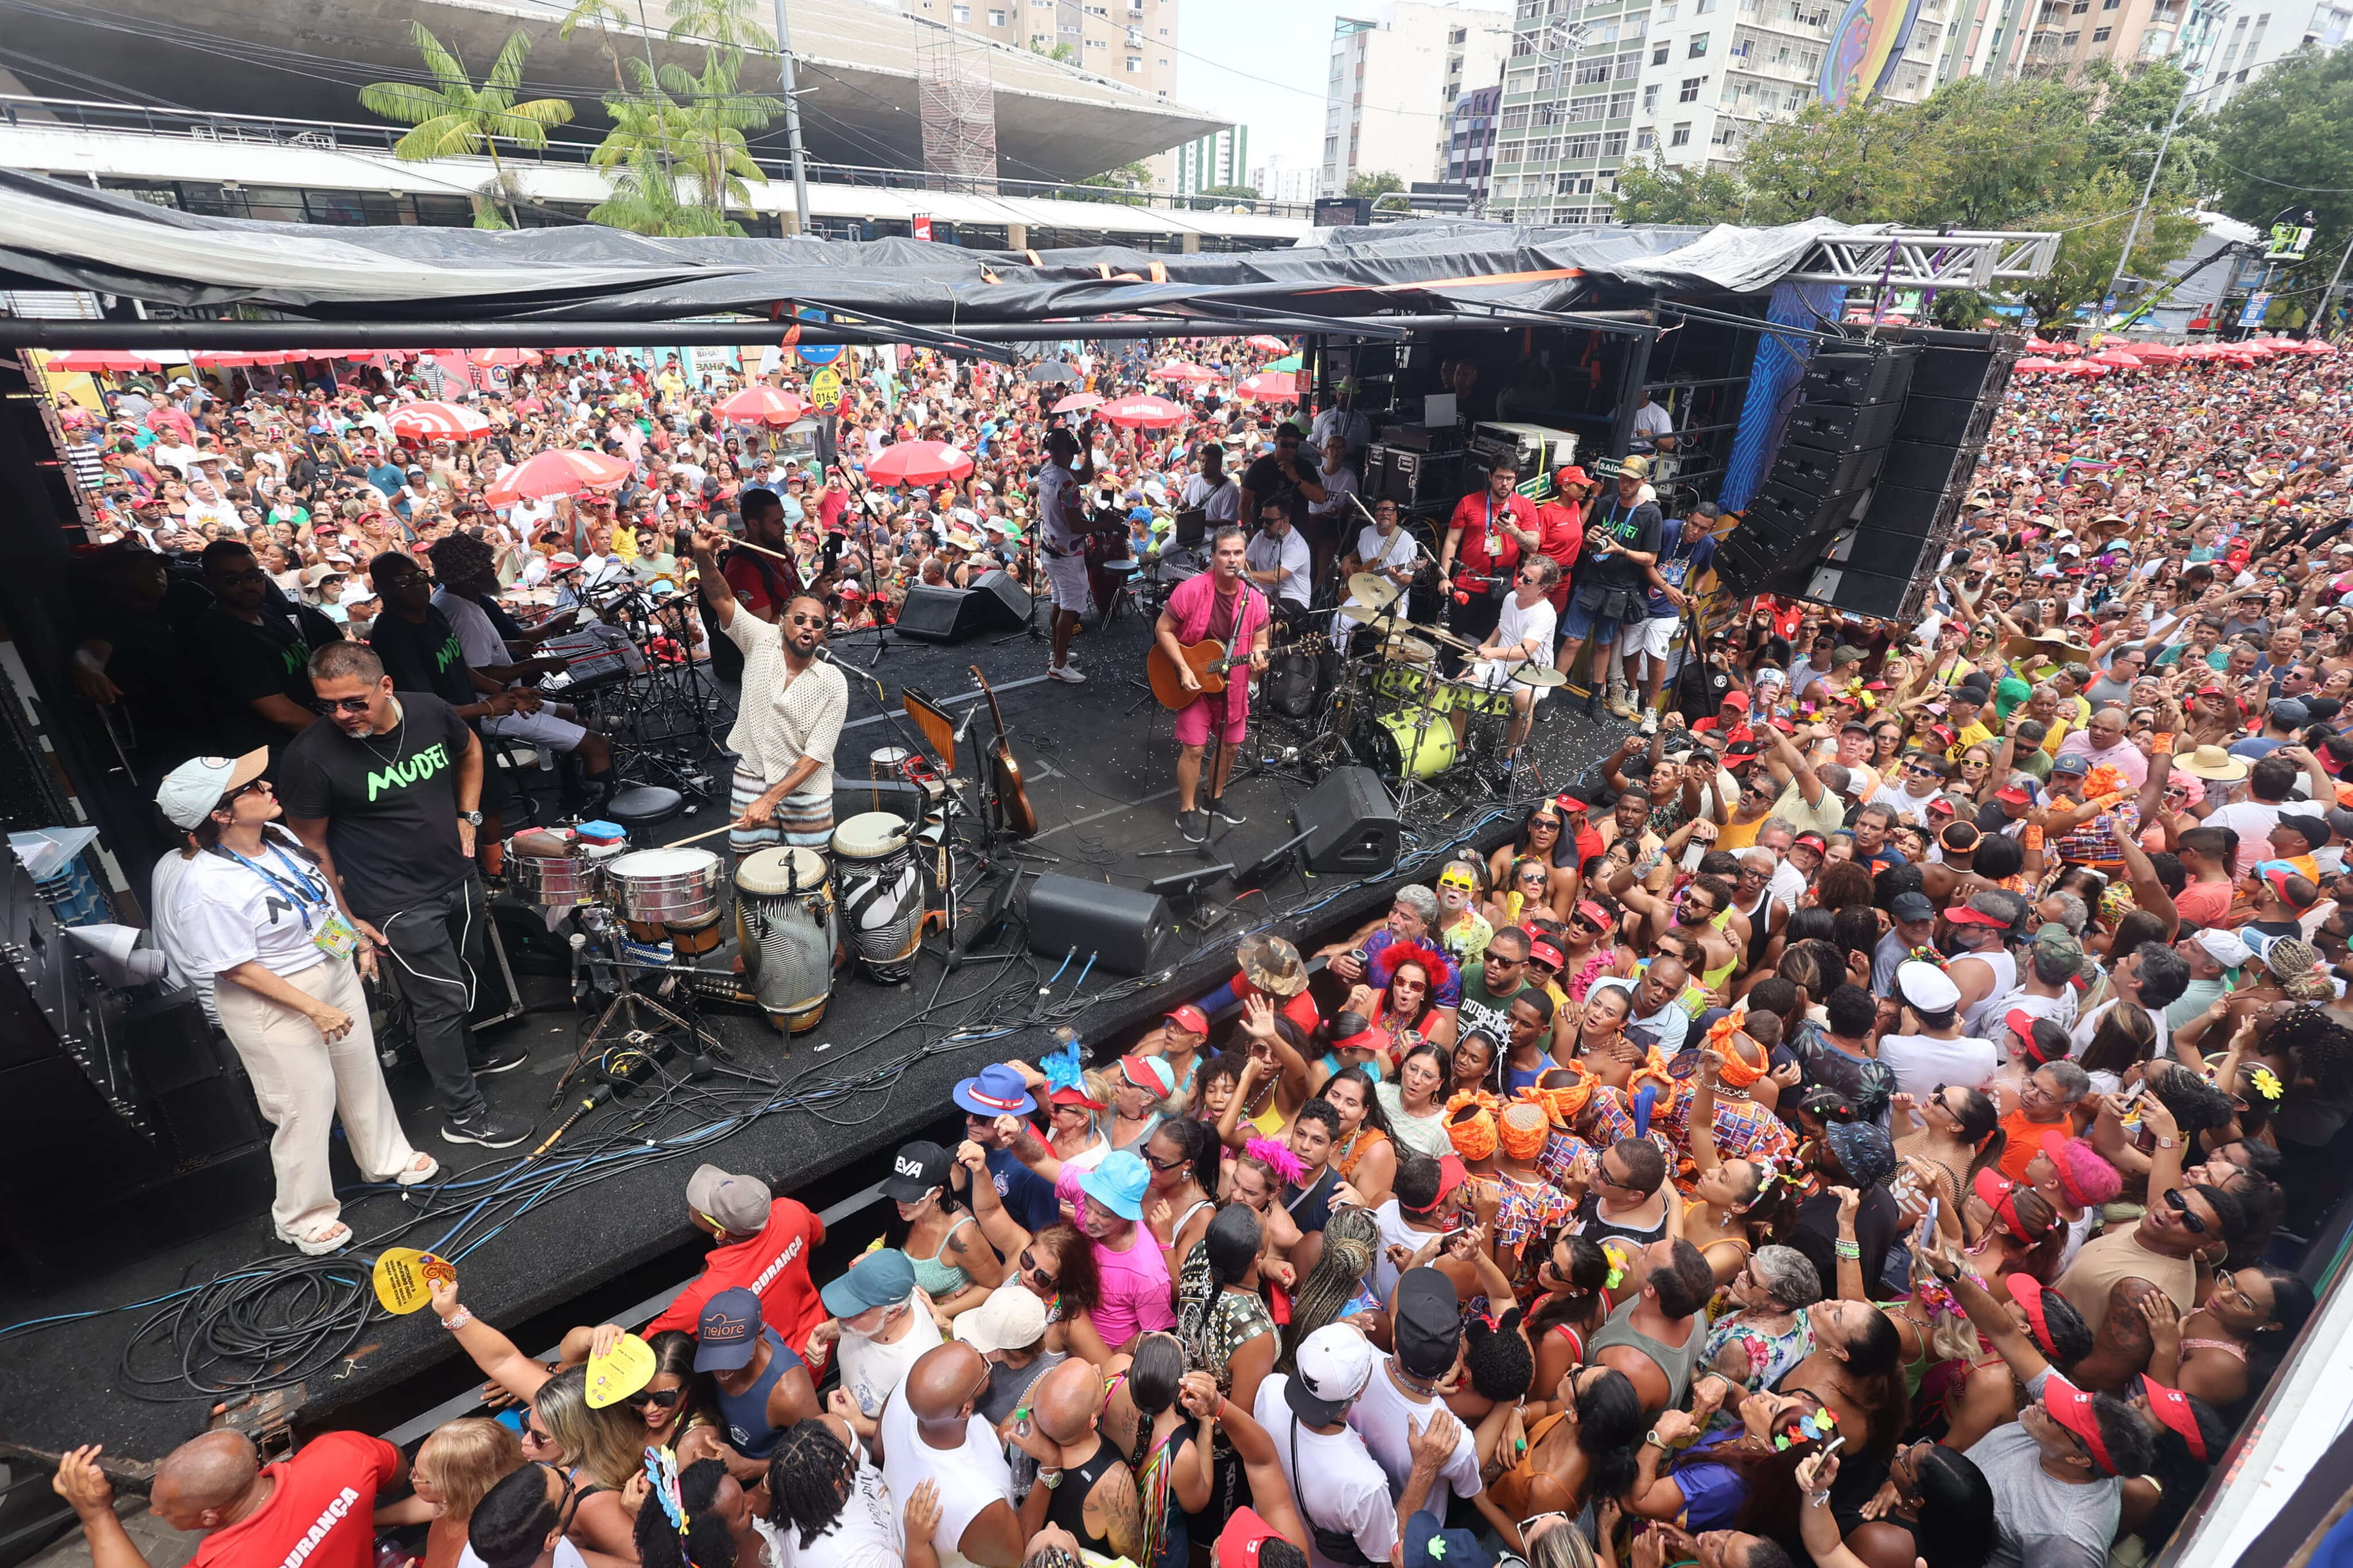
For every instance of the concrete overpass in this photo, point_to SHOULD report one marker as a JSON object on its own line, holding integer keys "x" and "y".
{"x": 308, "y": 58}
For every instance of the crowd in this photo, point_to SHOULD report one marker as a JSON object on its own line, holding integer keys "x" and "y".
{"x": 1871, "y": 1121}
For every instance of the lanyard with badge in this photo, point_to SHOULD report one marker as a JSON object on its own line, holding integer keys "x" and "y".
{"x": 334, "y": 935}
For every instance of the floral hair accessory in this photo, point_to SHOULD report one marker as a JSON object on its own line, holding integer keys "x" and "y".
{"x": 2266, "y": 1082}
{"x": 1925, "y": 955}
{"x": 662, "y": 1477}
{"x": 1276, "y": 1157}
{"x": 1065, "y": 1069}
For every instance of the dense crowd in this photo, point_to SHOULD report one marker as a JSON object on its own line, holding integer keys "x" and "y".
{"x": 1872, "y": 1121}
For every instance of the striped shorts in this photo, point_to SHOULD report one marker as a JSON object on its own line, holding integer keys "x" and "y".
{"x": 803, "y": 818}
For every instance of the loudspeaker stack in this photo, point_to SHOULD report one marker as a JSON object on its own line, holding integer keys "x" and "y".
{"x": 1832, "y": 451}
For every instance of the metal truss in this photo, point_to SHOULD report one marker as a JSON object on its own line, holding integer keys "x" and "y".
{"x": 1923, "y": 259}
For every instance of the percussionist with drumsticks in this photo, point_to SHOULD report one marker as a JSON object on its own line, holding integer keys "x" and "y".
{"x": 789, "y": 719}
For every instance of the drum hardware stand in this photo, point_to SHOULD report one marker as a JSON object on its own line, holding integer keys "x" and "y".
{"x": 636, "y": 1032}
{"x": 1186, "y": 885}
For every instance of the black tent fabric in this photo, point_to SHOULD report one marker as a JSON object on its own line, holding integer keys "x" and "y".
{"x": 72, "y": 236}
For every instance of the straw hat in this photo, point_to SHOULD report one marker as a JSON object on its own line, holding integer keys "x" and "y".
{"x": 2214, "y": 762}
{"x": 1273, "y": 965}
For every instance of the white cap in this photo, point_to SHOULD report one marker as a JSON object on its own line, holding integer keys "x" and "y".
{"x": 190, "y": 791}
{"x": 1012, "y": 1318}
{"x": 1926, "y": 987}
{"x": 1334, "y": 1364}
{"x": 2223, "y": 947}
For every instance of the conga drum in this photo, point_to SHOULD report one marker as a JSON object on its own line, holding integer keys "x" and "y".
{"x": 881, "y": 891}
{"x": 786, "y": 930}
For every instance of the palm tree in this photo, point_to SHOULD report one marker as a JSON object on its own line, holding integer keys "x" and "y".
{"x": 453, "y": 118}
{"x": 603, "y": 14}
{"x": 724, "y": 23}
{"x": 671, "y": 122}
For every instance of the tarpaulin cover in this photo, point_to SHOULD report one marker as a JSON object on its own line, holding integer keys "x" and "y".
{"x": 72, "y": 236}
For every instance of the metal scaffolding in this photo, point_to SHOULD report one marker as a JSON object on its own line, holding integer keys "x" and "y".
{"x": 957, "y": 93}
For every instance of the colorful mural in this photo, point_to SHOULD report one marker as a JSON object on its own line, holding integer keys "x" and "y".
{"x": 1865, "y": 48}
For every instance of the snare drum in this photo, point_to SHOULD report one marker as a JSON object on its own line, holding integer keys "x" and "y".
{"x": 680, "y": 887}
{"x": 559, "y": 880}
{"x": 785, "y": 933}
{"x": 886, "y": 763}
{"x": 882, "y": 892}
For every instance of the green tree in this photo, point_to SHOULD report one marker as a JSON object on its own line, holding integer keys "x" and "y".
{"x": 1121, "y": 185}
{"x": 1233, "y": 193}
{"x": 2286, "y": 138}
{"x": 454, "y": 119}
{"x": 1661, "y": 193}
{"x": 2094, "y": 224}
{"x": 1063, "y": 53}
{"x": 721, "y": 24}
{"x": 1379, "y": 183}
{"x": 672, "y": 124}
{"x": 604, "y": 15}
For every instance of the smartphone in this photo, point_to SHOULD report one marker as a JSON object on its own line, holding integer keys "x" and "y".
{"x": 2138, "y": 1088}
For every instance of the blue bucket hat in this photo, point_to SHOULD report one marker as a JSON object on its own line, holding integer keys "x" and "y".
{"x": 1118, "y": 1183}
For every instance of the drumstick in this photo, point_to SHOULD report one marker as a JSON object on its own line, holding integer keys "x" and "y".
{"x": 706, "y": 833}
{"x": 763, "y": 550}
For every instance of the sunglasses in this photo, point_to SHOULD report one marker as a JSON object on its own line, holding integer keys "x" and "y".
{"x": 344, "y": 704}
{"x": 2180, "y": 1205}
{"x": 1029, "y": 1267}
{"x": 1164, "y": 1167}
{"x": 664, "y": 1399}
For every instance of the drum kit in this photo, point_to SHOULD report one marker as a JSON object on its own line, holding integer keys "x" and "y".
{"x": 1395, "y": 705}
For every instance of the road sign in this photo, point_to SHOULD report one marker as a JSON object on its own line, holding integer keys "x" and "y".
{"x": 2258, "y": 305}
{"x": 816, "y": 353}
{"x": 825, "y": 388}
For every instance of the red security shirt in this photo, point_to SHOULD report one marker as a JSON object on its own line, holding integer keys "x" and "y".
{"x": 1476, "y": 553}
{"x": 1563, "y": 524}
{"x": 773, "y": 1266}
{"x": 320, "y": 1512}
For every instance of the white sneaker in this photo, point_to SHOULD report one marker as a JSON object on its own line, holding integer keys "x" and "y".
{"x": 1650, "y": 721}
{"x": 1066, "y": 673}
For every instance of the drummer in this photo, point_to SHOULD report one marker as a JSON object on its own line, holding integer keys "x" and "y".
{"x": 1378, "y": 567}
{"x": 788, "y": 717}
{"x": 1522, "y": 640}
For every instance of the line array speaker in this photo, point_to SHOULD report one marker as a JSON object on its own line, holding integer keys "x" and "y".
{"x": 1834, "y": 449}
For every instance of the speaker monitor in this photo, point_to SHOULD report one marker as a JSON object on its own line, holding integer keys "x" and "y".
{"x": 1011, "y": 609}
{"x": 1351, "y": 824}
{"x": 943, "y": 615}
{"x": 1123, "y": 929}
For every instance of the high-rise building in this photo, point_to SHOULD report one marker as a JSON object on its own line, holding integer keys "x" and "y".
{"x": 1471, "y": 141}
{"x": 1130, "y": 41}
{"x": 2250, "y": 45}
{"x": 1220, "y": 158}
{"x": 1393, "y": 80}
{"x": 2013, "y": 38}
{"x": 1281, "y": 180}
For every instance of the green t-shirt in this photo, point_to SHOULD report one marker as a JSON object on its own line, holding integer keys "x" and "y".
{"x": 1480, "y": 1010}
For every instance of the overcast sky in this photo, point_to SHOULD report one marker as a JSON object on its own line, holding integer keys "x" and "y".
{"x": 1261, "y": 63}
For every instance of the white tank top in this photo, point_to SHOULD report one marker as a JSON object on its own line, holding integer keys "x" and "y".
{"x": 2004, "y": 964}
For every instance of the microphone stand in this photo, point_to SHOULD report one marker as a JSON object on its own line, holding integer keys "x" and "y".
{"x": 866, "y": 507}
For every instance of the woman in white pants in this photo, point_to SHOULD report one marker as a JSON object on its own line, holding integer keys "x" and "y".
{"x": 256, "y": 915}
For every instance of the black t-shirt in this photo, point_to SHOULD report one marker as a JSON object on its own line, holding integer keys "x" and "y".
{"x": 1266, "y": 482}
{"x": 241, "y": 662}
{"x": 390, "y": 801}
{"x": 1876, "y": 1225}
{"x": 423, "y": 655}
{"x": 1635, "y": 527}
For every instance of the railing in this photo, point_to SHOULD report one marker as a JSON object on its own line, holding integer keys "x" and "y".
{"x": 20, "y": 111}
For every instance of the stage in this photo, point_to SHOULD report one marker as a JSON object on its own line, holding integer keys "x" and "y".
{"x": 597, "y": 1223}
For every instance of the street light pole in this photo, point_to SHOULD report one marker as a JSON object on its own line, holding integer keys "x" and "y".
{"x": 793, "y": 117}
{"x": 2148, "y": 188}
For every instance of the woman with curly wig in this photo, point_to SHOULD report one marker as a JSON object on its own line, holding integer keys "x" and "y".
{"x": 1402, "y": 979}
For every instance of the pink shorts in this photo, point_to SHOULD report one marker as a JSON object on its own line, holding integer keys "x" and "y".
{"x": 1192, "y": 722}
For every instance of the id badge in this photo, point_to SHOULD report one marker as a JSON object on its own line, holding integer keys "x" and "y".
{"x": 336, "y": 937}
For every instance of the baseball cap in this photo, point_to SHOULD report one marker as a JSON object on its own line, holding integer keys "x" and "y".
{"x": 996, "y": 1090}
{"x": 2071, "y": 762}
{"x": 1912, "y": 906}
{"x": 2274, "y": 875}
{"x": 915, "y": 1170}
{"x": 1334, "y": 1363}
{"x": 1011, "y": 1317}
{"x": 1927, "y": 987}
{"x": 2015, "y": 794}
{"x": 1428, "y": 1545}
{"x": 1428, "y": 1323}
{"x": 1813, "y": 841}
{"x": 2316, "y": 830}
{"x": 1150, "y": 1074}
{"x": 190, "y": 791}
{"x": 739, "y": 1204}
{"x": 1244, "y": 1534}
{"x": 883, "y": 1278}
{"x": 729, "y": 1330}
{"x": 2288, "y": 710}
{"x": 1190, "y": 1018}
{"x": 2044, "y": 1039}
{"x": 1969, "y": 914}
{"x": 1118, "y": 1183}
{"x": 2223, "y": 946}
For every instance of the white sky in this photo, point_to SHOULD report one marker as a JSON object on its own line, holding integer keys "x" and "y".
{"x": 1261, "y": 63}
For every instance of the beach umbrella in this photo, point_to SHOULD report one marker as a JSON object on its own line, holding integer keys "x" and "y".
{"x": 763, "y": 405}
{"x": 1051, "y": 370}
{"x": 1271, "y": 344}
{"x": 1151, "y": 413}
{"x": 566, "y": 472}
{"x": 103, "y": 360}
{"x": 919, "y": 463}
{"x": 2037, "y": 346}
{"x": 2034, "y": 367}
{"x": 1077, "y": 403}
{"x": 1288, "y": 362}
{"x": 489, "y": 357}
{"x": 1273, "y": 384}
{"x": 2065, "y": 350}
{"x": 1180, "y": 370}
{"x": 227, "y": 357}
{"x": 2089, "y": 370}
{"x": 2115, "y": 357}
{"x": 438, "y": 422}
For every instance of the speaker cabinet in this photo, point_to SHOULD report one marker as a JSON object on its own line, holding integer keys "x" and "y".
{"x": 1858, "y": 373}
{"x": 1351, "y": 824}
{"x": 1123, "y": 929}
{"x": 1010, "y": 602}
{"x": 942, "y": 615}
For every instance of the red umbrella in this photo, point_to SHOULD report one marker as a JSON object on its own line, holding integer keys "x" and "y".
{"x": 2116, "y": 357}
{"x": 2034, "y": 367}
{"x": 564, "y": 472}
{"x": 1151, "y": 413}
{"x": 488, "y": 357}
{"x": 1077, "y": 403}
{"x": 2037, "y": 346}
{"x": 2065, "y": 350}
{"x": 1270, "y": 343}
{"x": 438, "y": 422}
{"x": 919, "y": 463}
{"x": 1276, "y": 385}
{"x": 103, "y": 359}
{"x": 2087, "y": 368}
{"x": 235, "y": 357}
{"x": 763, "y": 405}
{"x": 1181, "y": 370}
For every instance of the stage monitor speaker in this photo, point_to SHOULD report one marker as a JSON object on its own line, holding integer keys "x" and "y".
{"x": 1123, "y": 929}
{"x": 1351, "y": 824}
{"x": 1009, "y": 601}
{"x": 945, "y": 614}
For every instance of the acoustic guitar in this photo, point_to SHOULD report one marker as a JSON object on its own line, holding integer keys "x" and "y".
{"x": 1005, "y": 772}
{"x": 1208, "y": 661}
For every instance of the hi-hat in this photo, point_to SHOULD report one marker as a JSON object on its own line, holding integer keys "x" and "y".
{"x": 1408, "y": 650}
{"x": 1542, "y": 674}
{"x": 1375, "y": 615}
{"x": 1372, "y": 588}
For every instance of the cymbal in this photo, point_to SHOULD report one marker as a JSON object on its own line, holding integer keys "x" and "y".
{"x": 1540, "y": 675}
{"x": 1463, "y": 645}
{"x": 1408, "y": 650}
{"x": 1372, "y": 588}
{"x": 1377, "y": 616}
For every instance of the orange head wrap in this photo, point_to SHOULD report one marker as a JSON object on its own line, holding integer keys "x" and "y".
{"x": 1471, "y": 1123}
{"x": 1736, "y": 1070}
{"x": 1521, "y": 1126}
{"x": 1563, "y": 1091}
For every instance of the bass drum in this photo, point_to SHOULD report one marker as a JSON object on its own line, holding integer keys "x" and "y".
{"x": 1390, "y": 746}
{"x": 786, "y": 933}
{"x": 881, "y": 891}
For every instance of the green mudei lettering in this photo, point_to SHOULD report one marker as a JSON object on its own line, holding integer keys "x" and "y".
{"x": 424, "y": 765}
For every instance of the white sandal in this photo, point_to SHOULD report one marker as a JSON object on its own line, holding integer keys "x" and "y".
{"x": 412, "y": 1174}
{"x": 332, "y": 1237}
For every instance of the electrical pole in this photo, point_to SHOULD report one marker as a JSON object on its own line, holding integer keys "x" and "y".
{"x": 2148, "y": 189}
{"x": 791, "y": 116}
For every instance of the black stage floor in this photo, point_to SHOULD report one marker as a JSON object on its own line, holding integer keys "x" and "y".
{"x": 1100, "y": 773}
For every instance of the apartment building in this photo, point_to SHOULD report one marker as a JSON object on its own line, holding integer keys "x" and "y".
{"x": 1206, "y": 162}
{"x": 1395, "y": 77}
{"x": 2249, "y": 41}
{"x": 1131, "y": 41}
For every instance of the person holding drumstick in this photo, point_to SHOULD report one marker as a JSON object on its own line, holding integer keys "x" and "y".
{"x": 789, "y": 719}
{"x": 1522, "y": 639}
